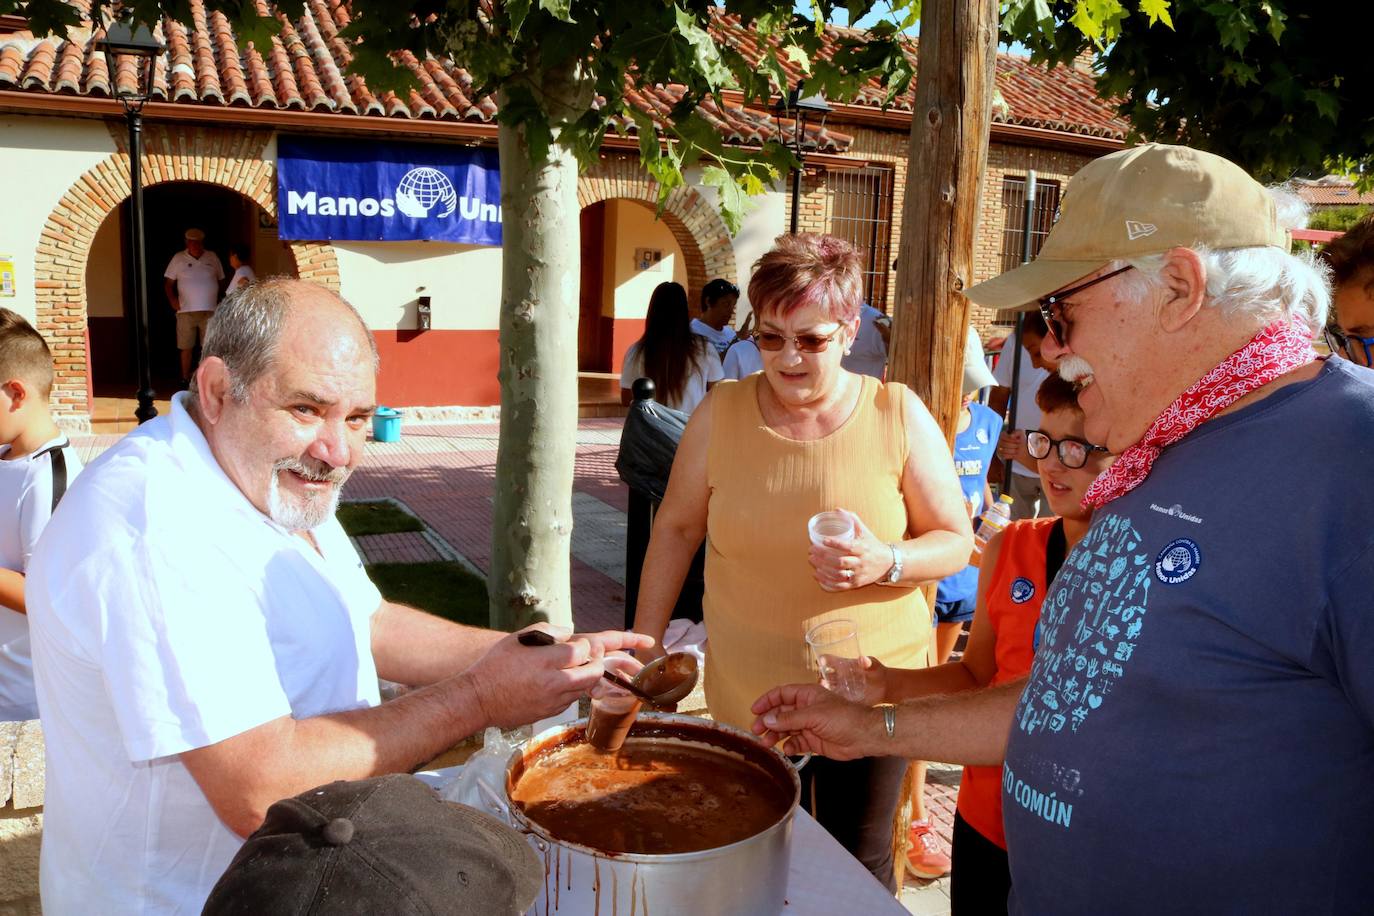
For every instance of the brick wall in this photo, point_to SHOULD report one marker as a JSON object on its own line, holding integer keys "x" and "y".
{"x": 890, "y": 147}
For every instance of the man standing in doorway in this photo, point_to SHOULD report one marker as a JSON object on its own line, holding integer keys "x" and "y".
{"x": 192, "y": 281}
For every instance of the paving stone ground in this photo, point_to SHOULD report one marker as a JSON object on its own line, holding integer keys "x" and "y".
{"x": 445, "y": 474}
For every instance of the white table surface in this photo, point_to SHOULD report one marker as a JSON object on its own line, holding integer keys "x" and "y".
{"x": 823, "y": 878}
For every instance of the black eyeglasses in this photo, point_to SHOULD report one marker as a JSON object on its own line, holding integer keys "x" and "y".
{"x": 1338, "y": 339}
{"x": 1073, "y": 453}
{"x": 806, "y": 343}
{"x": 1057, "y": 324}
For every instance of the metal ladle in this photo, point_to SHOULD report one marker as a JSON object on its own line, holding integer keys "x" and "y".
{"x": 669, "y": 678}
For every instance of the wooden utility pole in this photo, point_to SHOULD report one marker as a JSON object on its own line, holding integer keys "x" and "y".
{"x": 950, "y": 120}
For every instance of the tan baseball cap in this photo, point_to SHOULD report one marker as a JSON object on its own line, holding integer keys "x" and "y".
{"x": 195, "y": 235}
{"x": 1140, "y": 201}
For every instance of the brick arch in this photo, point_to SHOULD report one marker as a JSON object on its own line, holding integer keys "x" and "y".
{"x": 696, "y": 226}
{"x": 228, "y": 159}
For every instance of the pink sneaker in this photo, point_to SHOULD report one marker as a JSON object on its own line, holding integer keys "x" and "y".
{"x": 924, "y": 859}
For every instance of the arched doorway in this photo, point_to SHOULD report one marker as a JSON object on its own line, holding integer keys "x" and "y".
{"x": 228, "y": 159}
{"x": 625, "y": 254}
{"x": 170, "y": 208}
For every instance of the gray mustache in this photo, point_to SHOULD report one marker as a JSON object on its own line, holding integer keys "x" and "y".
{"x": 319, "y": 472}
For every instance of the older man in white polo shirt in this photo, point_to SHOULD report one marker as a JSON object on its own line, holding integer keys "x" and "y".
{"x": 195, "y": 666}
{"x": 192, "y": 281}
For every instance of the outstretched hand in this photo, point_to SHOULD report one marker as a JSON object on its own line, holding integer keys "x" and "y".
{"x": 811, "y": 719}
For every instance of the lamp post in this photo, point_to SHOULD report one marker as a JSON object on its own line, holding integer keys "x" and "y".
{"x": 798, "y": 108}
{"x": 140, "y": 50}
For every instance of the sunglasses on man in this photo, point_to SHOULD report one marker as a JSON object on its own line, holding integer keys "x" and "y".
{"x": 806, "y": 343}
{"x": 1073, "y": 453}
{"x": 1054, "y": 317}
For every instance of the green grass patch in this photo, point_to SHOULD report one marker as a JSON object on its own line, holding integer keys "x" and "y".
{"x": 444, "y": 589}
{"x": 360, "y": 519}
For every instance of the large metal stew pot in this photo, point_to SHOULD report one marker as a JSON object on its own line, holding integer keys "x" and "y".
{"x": 748, "y": 876}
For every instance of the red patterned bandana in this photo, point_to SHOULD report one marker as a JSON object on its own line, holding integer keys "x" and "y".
{"x": 1275, "y": 351}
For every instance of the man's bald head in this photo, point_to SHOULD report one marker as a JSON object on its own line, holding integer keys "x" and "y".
{"x": 247, "y": 329}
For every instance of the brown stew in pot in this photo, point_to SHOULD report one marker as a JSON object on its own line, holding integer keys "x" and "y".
{"x": 652, "y": 797}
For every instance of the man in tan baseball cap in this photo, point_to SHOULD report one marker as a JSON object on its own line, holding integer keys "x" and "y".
{"x": 1209, "y": 637}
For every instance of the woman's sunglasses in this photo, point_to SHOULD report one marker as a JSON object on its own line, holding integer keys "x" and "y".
{"x": 806, "y": 343}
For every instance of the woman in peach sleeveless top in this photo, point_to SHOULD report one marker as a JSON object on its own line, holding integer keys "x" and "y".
{"x": 761, "y": 456}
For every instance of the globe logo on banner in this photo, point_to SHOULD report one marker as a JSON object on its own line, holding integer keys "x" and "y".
{"x": 422, "y": 189}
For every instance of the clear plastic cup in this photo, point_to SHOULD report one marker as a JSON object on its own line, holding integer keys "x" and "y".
{"x": 837, "y": 659}
{"x": 830, "y": 524}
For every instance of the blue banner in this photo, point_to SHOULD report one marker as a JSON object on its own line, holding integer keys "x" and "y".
{"x": 372, "y": 191}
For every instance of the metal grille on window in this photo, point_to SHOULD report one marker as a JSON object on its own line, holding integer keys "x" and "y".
{"x": 1014, "y": 221}
{"x": 861, "y": 214}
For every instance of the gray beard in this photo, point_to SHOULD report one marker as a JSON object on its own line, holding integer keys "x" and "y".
{"x": 309, "y": 512}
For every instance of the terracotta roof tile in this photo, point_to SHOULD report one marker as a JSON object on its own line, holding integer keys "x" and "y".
{"x": 1332, "y": 191}
{"x": 1062, "y": 99}
{"x": 306, "y": 68}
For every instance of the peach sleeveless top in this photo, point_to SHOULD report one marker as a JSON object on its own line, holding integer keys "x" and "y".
{"x": 760, "y": 595}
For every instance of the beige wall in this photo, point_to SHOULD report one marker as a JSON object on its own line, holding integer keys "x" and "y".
{"x": 40, "y": 159}
{"x": 631, "y": 225}
{"x": 105, "y": 272}
{"x": 383, "y": 280}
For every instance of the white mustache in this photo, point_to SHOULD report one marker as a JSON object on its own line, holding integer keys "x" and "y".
{"x": 321, "y": 473}
{"x": 1073, "y": 368}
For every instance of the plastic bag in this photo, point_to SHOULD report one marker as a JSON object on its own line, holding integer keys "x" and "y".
{"x": 481, "y": 784}
{"x": 647, "y": 446}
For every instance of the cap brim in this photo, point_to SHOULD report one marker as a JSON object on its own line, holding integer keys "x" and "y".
{"x": 978, "y": 377}
{"x": 1018, "y": 290}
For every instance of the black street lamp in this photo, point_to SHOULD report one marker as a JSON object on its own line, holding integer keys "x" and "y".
{"x": 798, "y": 108}
{"x": 139, "y": 50}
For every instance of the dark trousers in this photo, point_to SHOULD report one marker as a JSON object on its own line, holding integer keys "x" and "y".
{"x": 638, "y": 525}
{"x": 980, "y": 879}
{"x": 856, "y": 801}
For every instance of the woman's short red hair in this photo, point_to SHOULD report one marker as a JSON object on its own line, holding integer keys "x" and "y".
{"x": 808, "y": 269}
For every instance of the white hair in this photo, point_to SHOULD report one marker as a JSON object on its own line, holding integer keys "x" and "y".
{"x": 1264, "y": 282}
{"x": 1293, "y": 212}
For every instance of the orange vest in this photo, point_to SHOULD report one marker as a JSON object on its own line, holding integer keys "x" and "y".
{"x": 1013, "y": 608}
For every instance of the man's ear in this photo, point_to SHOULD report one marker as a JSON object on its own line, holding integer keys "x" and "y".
{"x": 213, "y": 383}
{"x": 1185, "y": 281}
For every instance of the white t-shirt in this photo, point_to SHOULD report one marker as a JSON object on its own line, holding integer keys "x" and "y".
{"x": 705, "y": 369}
{"x": 742, "y": 359}
{"x": 1027, "y": 411}
{"x": 197, "y": 279}
{"x": 868, "y": 355}
{"x": 719, "y": 339}
{"x": 168, "y": 614}
{"x": 26, "y": 491}
{"x": 243, "y": 272}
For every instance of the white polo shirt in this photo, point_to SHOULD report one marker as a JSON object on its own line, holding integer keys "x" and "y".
{"x": 197, "y": 279}
{"x": 166, "y": 614}
{"x": 743, "y": 359}
{"x": 26, "y": 495}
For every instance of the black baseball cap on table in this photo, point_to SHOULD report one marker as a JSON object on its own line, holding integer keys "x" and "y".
{"x": 384, "y": 845}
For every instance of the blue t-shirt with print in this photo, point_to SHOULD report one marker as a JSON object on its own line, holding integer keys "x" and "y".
{"x": 1197, "y": 733}
{"x": 973, "y": 451}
